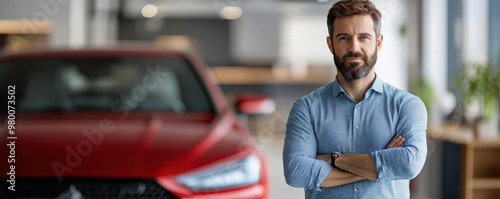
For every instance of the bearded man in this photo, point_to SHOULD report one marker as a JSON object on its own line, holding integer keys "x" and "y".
{"x": 356, "y": 137}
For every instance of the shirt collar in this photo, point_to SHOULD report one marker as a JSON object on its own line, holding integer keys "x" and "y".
{"x": 376, "y": 86}
{"x": 336, "y": 87}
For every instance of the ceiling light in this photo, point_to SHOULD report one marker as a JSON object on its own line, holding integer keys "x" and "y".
{"x": 231, "y": 12}
{"x": 149, "y": 11}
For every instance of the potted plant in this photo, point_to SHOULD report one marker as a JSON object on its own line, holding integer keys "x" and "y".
{"x": 425, "y": 91}
{"x": 479, "y": 86}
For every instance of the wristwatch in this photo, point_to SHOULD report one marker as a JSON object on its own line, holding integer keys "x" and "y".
{"x": 334, "y": 155}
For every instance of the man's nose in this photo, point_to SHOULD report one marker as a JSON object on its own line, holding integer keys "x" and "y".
{"x": 354, "y": 47}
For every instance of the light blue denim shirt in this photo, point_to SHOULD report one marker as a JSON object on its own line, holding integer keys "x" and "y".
{"x": 328, "y": 120}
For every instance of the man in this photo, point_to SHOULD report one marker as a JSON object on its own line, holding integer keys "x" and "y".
{"x": 356, "y": 137}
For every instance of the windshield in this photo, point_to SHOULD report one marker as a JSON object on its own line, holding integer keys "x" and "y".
{"x": 76, "y": 84}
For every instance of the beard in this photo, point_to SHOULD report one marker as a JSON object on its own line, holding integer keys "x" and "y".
{"x": 353, "y": 70}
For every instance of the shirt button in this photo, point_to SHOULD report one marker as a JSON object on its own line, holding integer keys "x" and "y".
{"x": 357, "y": 105}
{"x": 356, "y": 127}
{"x": 357, "y": 189}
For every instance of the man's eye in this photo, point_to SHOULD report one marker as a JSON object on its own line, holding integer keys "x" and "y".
{"x": 364, "y": 37}
{"x": 343, "y": 38}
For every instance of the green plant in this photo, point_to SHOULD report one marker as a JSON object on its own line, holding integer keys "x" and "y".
{"x": 479, "y": 84}
{"x": 425, "y": 91}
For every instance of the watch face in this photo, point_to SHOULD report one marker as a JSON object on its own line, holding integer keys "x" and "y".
{"x": 335, "y": 153}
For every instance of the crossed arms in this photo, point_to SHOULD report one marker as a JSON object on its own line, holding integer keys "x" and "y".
{"x": 354, "y": 167}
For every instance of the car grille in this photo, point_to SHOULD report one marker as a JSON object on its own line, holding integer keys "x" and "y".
{"x": 86, "y": 188}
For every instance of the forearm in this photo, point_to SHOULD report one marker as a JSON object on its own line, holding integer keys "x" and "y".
{"x": 358, "y": 164}
{"x": 337, "y": 177}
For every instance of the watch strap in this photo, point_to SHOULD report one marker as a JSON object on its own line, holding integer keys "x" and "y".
{"x": 334, "y": 155}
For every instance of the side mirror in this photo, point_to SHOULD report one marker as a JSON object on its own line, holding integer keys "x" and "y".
{"x": 249, "y": 103}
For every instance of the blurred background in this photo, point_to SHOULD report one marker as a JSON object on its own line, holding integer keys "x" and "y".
{"x": 444, "y": 51}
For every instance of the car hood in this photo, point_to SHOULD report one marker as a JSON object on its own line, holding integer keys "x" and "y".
{"x": 138, "y": 146}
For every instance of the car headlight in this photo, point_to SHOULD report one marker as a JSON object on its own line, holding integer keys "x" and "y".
{"x": 235, "y": 174}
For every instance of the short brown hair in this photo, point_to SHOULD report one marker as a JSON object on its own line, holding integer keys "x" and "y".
{"x": 346, "y": 8}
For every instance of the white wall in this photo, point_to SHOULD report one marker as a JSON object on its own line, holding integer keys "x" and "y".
{"x": 475, "y": 30}
{"x": 392, "y": 59}
{"x": 434, "y": 49}
{"x": 255, "y": 37}
{"x": 303, "y": 44}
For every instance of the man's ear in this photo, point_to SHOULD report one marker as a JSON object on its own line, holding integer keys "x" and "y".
{"x": 380, "y": 39}
{"x": 329, "y": 43}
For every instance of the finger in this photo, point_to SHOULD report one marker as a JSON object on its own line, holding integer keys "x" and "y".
{"x": 396, "y": 137}
{"x": 395, "y": 141}
{"x": 403, "y": 141}
{"x": 392, "y": 142}
{"x": 400, "y": 143}
{"x": 390, "y": 145}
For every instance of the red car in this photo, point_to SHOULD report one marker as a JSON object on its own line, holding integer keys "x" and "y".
{"x": 123, "y": 123}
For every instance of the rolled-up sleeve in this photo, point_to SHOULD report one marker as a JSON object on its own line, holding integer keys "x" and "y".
{"x": 407, "y": 161}
{"x": 301, "y": 168}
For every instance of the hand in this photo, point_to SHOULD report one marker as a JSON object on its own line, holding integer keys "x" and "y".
{"x": 397, "y": 141}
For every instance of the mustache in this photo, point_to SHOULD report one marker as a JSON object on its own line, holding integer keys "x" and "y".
{"x": 354, "y": 54}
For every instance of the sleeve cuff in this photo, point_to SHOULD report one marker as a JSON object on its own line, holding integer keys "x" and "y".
{"x": 324, "y": 170}
{"x": 380, "y": 169}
